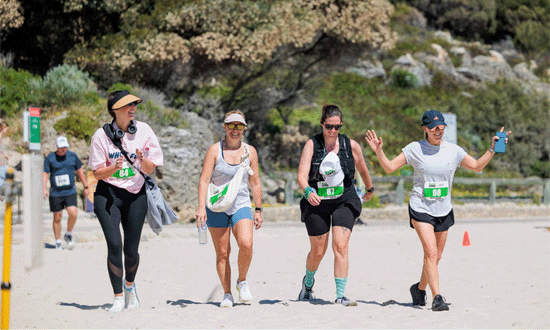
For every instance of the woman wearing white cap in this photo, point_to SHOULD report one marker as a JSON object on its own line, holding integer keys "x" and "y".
{"x": 221, "y": 163}
{"x": 119, "y": 198}
{"x": 430, "y": 211}
{"x": 326, "y": 173}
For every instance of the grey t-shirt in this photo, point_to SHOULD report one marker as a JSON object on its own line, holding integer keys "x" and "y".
{"x": 434, "y": 169}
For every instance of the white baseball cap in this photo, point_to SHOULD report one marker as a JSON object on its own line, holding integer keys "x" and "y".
{"x": 331, "y": 170}
{"x": 62, "y": 142}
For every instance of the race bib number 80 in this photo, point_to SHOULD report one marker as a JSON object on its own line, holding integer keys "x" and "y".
{"x": 436, "y": 190}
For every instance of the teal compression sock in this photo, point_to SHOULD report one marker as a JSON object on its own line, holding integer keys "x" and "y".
{"x": 309, "y": 278}
{"x": 340, "y": 286}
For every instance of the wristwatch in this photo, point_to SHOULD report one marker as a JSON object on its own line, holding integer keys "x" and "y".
{"x": 370, "y": 190}
{"x": 259, "y": 209}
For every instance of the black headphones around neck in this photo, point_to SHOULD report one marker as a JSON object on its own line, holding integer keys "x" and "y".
{"x": 118, "y": 133}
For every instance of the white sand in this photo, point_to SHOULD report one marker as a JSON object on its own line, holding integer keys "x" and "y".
{"x": 501, "y": 281}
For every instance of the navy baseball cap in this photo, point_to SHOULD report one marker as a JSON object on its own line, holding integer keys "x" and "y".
{"x": 433, "y": 118}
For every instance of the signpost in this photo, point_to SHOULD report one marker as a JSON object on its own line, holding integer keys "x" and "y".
{"x": 34, "y": 128}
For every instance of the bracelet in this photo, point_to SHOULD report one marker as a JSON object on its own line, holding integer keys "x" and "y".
{"x": 308, "y": 190}
{"x": 85, "y": 187}
{"x": 492, "y": 150}
{"x": 258, "y": 209}
{"x": 369, "y": 190}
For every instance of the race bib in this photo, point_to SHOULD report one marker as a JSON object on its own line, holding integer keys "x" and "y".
{"x": 124, "y": 173}
{"x": 436, "y": 190}
{"x": 62, "y": 180}
{"x": 326, "y": 192}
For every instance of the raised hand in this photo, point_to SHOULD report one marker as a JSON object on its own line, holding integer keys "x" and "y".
{"x": 373, "y": 141}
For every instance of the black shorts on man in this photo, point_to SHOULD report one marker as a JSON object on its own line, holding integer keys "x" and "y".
{"x": 57, "y": 204}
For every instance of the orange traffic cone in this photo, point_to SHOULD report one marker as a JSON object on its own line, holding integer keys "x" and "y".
{"x": 466, "y": 239}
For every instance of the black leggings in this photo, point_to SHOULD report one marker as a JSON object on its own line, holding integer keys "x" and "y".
{"x": 115, "y": 206}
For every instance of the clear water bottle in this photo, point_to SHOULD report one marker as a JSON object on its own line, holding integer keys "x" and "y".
{"x": 202, "y": 234}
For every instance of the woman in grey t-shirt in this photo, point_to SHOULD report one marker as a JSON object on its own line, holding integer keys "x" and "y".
{"x": 430, "y": 211}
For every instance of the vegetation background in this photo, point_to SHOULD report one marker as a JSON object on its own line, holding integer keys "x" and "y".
{"x": 279, "y": 61}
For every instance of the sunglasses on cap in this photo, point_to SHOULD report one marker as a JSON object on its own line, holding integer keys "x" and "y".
{"x": 440, "y": 127}
{"x": 239, "y": 127}
{"x": 330, "y": 127}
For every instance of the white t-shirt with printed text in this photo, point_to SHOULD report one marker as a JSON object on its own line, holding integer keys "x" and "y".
{"x": 103, "y": 153}
{"x": 434, "y": 169}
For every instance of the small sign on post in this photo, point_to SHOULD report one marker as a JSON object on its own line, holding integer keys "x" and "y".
{"x": 34, "y": 128}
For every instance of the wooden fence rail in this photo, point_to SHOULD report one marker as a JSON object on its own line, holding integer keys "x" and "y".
{"x": 493, "y": 183}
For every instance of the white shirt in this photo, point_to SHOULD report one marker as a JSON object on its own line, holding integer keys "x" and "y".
{"x": 435, "y": 164}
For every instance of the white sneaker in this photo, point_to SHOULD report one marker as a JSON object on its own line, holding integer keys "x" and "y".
{"x": 70, "y": 241}
{"x": 227, "y": 301}
{"x": 118, "y": 305}
{"x": 131, "y": 299}
{"x": 244, "y": 291}
{"x": 58, "y": 246}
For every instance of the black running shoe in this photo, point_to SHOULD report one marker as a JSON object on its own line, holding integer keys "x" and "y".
{"x": 306, "y": 293}
{"x": 419, "y": 296}
{"x": 439, "y": 304}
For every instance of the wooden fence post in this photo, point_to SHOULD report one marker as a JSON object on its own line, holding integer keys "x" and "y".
{"x": 400, "y": 199}
{"x": 546, "y": 193}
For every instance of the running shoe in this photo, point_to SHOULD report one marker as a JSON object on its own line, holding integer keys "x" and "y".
{"x": 69, "y": 240}
{"x": 418, "y": 296}
{"x": 58, "y": 246}
{"x": 227, "y": 301}
{"x": 244, "y": 291}
{"x": 118, "y": 305}
{"x": 131, "y": 299}
{"x": 306, "y": 293}
{"x": 345, "y": 302}
{"x": 439, "y": 304}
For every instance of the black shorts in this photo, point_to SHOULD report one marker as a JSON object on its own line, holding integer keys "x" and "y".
{"x": 440, "y": 223}
{"x": 57, "y": 204}
{"x": 318, "y": 218}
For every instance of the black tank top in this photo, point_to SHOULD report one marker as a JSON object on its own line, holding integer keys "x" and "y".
{"x": 346, "y": 162}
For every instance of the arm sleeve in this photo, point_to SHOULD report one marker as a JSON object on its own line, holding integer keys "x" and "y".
{"x": 46, "y": 165}
{"x": 97, "y": 153}
{"x": 154, "y": 152}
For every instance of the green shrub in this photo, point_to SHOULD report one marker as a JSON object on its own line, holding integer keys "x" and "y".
{"x": 403, "y": 78}
{"x": 79, "y": 123}
{"x": 532, "y": 35}
{"x": 63, "y": 86}
{"x": 120, "y": 87}
{"x": 373, "y": 203}
{"x": 15, "y": 91}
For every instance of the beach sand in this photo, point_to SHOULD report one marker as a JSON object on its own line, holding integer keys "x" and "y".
{"x": 501, "y": 281}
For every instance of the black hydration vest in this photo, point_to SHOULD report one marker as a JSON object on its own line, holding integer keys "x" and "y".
{"x": 344, "y": 154}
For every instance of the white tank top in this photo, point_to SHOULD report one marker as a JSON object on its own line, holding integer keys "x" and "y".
{"x": 223, "y": 173}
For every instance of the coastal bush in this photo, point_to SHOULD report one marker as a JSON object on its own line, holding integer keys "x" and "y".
{"x": 15, "y": 91}
{"x": 63, "y": 86}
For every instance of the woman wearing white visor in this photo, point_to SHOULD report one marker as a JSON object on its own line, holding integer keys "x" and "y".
{"x": 326, "y": 173}
{"x": 221, "y": 164}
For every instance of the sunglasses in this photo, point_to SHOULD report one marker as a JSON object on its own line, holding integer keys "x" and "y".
{"x": 330, "y": 127}
{"x": 440, "y": 127}
{"x": 239, "y": 127}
